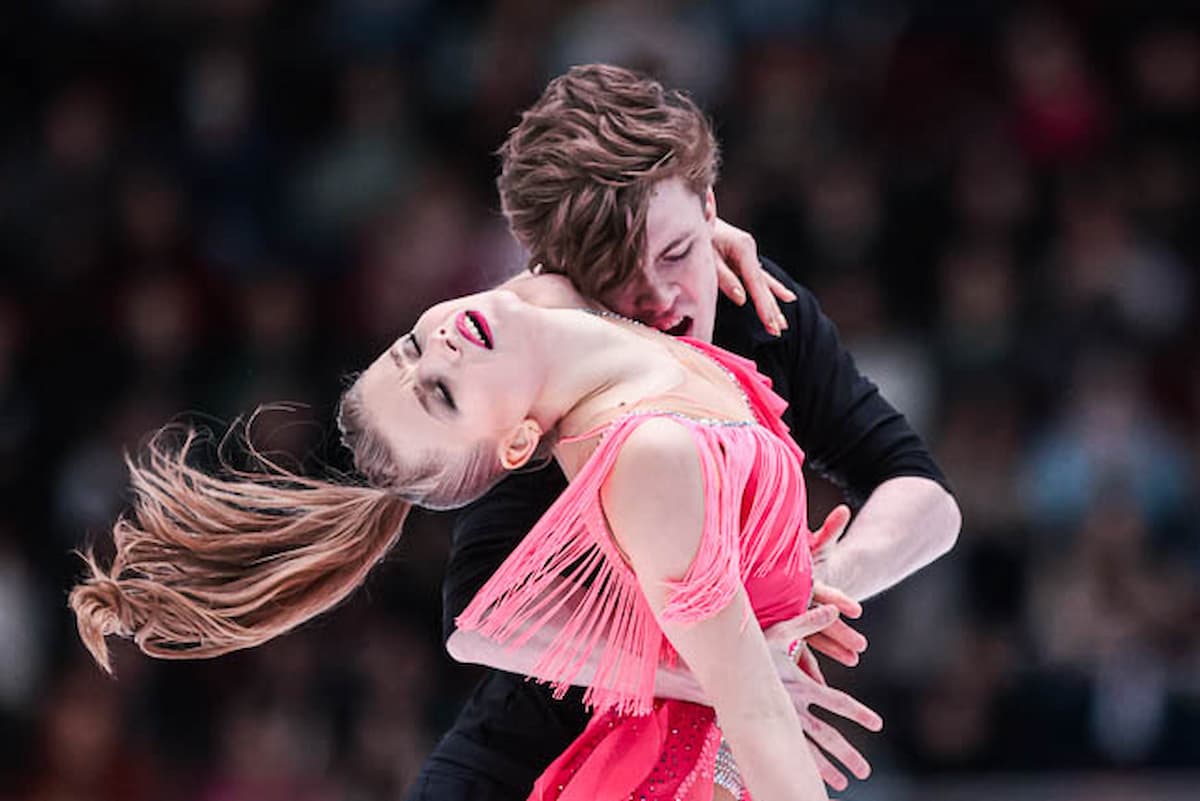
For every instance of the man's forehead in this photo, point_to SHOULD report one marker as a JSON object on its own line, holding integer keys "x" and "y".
{"x": 672, "y": 204}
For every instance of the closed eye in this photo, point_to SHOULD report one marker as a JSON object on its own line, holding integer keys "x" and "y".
{"x": 680, "y": 255}
{"x": 434, "y": 388}
{"x": 443, "y": 393}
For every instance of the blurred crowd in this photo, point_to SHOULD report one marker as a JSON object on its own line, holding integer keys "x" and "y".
{"x": 205, "y": 207}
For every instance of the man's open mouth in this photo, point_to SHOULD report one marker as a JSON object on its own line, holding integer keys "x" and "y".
{"x": 681, "y": 328}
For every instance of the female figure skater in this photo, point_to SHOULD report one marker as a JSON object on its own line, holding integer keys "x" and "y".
{"x": 608, "y": 178}
{"x": 682, "y": 534}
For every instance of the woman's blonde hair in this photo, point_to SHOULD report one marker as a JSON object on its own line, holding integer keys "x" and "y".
{"x": 211, "y": 563}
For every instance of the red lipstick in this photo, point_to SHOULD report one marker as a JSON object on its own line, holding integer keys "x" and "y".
{"x": 474, "y": 328}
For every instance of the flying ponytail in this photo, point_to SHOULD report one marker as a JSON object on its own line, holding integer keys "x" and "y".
{"x": 208, "y": 564}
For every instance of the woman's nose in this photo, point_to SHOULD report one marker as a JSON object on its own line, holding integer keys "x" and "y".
{"x": 446, "y": 343}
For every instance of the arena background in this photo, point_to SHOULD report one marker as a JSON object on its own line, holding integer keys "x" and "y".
{"x": 208, "y": 206}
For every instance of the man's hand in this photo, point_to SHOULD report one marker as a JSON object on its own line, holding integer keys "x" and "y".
{"x": 739, "y": 269}
{"x": 822, "y": 629}
{"x": 838, "y": 640}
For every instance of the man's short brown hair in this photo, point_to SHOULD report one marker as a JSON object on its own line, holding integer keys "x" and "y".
{"x": 576, "y": 172}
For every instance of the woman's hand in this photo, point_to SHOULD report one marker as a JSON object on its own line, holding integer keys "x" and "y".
{"x": 804, "y": 682}
{"x": 807, "y": 688}
{"x": 739, "y": 269}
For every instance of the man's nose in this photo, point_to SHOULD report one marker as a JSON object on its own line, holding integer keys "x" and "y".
{"x": 657, "y": 297}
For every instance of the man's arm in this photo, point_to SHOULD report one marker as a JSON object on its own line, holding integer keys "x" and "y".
{"x": 854, "y": 437}
{"x": 486, "y": 531}
{"x": 677, "y": 681}
{"x": 908, "y": 522}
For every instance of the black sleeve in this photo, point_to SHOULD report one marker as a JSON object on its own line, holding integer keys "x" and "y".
{"x": 849, "y": 432}
{"x": 486, "y": 531}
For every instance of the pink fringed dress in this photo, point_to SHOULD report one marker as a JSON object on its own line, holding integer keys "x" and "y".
{"x": 755, "y": 534}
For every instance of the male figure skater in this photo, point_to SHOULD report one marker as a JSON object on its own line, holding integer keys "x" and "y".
{"x": 608, "y": 179}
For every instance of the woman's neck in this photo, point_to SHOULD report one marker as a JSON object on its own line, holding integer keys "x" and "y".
{"x": 599, "y": 366}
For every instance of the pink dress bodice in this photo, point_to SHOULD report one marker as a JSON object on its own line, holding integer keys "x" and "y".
{"x": 569, "y": 569}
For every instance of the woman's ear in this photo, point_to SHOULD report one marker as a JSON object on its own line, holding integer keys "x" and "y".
{"x": 518, "y": 446}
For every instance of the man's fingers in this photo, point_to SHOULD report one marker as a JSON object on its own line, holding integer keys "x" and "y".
{"x": 832, "y": 528}
{"x": 845, "y": 634}
{"x": 803, "y": 626}
{"x": 729, "y": 283}
{"x": 825, "y": 594}
{"x": 834, "y": 742}
{"x": 833, "y": 649}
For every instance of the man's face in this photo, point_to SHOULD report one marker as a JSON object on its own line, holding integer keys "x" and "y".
{"x": 676, "y": 288}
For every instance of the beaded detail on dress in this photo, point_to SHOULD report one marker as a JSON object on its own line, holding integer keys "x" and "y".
{"x": 726, "y": 773}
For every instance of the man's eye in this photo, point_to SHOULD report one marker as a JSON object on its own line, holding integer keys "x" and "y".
{"x": 681, "y": 255}
{"x": 412, "y": 342}
{"x": 444, "y": 393}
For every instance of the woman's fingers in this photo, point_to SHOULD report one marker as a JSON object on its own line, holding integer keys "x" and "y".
{"x": 830, "y": 774}
{"x": 778, "y": 289}
{"x": 740, "y": 274}
{"x": 807, "y": 662}
{"x": 729, "y": 284}
{"x": 844, "y": 705}
{"x": 835, "y": 743}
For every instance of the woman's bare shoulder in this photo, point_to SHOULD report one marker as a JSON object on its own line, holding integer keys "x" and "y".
{"x": 545, "y": 289}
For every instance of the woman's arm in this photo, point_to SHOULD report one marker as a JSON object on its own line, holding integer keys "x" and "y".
{"x": 654, "y": 502}
{"x": 804, "y": 688}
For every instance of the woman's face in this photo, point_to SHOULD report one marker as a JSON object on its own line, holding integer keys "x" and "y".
{"x": 469, "y": 372}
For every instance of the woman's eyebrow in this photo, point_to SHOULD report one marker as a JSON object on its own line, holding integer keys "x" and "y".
{"x": 407, "y": 373}
{"x": 422, "y": 398}
{"x": 399, "y": 358}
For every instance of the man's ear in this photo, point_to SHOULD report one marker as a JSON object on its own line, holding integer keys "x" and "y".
{"x": 518, "y": 446}
{"x": 710, "y": 205}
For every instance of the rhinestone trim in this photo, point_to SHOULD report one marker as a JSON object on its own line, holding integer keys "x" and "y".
{"x": 726, "y": 774}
